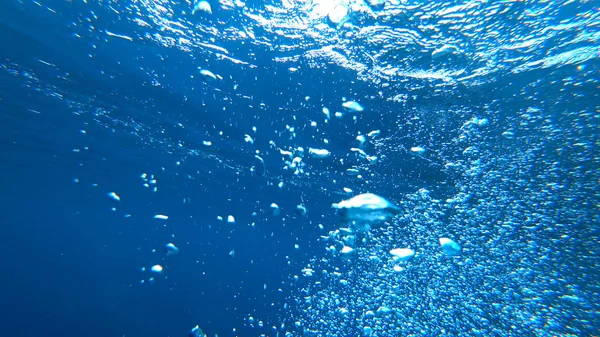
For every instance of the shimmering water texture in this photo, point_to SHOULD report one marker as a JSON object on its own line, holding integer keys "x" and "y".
{"x": 441, "y": 156}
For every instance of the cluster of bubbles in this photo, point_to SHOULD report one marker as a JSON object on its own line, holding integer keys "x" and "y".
{"x": 527, "y": 259}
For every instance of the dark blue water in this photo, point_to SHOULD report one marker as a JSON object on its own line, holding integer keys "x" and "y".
{"x": 84, "y": 113}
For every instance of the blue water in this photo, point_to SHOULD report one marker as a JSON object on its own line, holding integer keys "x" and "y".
{"x": 97, "y": 95}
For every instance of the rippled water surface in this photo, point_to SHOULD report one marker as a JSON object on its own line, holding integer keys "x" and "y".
{"x": 168, "y": 164}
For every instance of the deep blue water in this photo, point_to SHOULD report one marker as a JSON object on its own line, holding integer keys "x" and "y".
{"x": 91, "y": 99}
